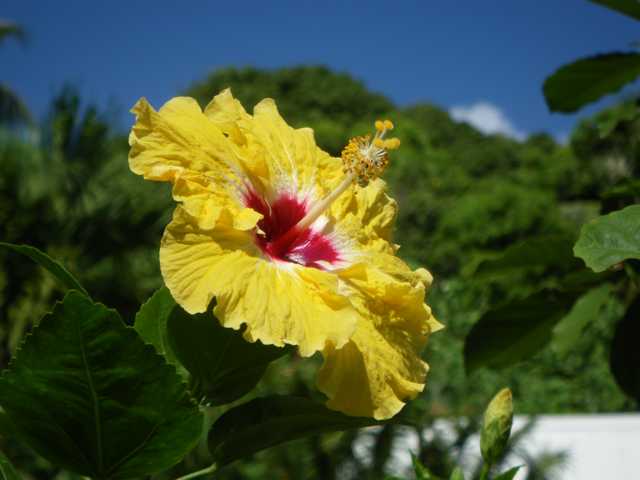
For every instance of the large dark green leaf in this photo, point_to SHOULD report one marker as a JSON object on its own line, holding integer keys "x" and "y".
{"x": 7, "y": 472}
{"x": 266, "y": 422}
{"x": 610, "y": 239}
{"x": 588, "y": 79}
{"x": 86, "y": 393}
{"x": 515, "y": 331}
{"x": 625, "y": 354}
{"x": 151, "y": 325}
{"x": 626, "y": 7}
{"x": 539, "y": 252}
{"x": 224, "y": 366}
{"x": 54, "y": 267}
{"x": 586, "y": 310}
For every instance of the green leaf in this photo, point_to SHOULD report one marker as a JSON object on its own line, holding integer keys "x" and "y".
{"x": 224, "y": 366}
{"x": 625, "y": 354}
{"x": 266, "y": 422}
{"x": 610, "y": 239}
{"x": 627, "y": 188}
{"x": 151, "y": 324}
{"x": 611, "y": 118}
{"x": 514, "y": 331}
{"x": 7, "y": 472}
{"x": 587, "y": 80}
{"x": 545, "y": 251}
{"x": 509, "y": 474}
{"x": 586, "y": 310}
{"x": 626, "y": 7}
{"x": 422, "y": 472}
{"x": 54, "y": 267}
{"x": 86, "y": 393}
{"x": 457, "y": 474}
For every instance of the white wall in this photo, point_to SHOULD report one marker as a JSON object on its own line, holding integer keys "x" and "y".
{"x": 598, "y": 447}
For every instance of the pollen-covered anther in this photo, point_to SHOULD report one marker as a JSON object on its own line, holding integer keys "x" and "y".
{"x": 365, "y": 158}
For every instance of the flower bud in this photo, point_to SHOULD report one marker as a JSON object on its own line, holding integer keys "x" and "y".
{"x": 497, "y": 426}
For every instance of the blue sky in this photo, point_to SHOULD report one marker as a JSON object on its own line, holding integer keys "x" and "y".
{"x": 485, "y": 61}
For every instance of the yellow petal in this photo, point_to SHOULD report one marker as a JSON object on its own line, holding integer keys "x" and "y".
{"x": 181, "y": 145}
{"x": 211, "y": 207}
{"x": 291, "y": 154}
{"x": 380, "y": 368}
{"x": 367, "y": 215}
{"x": 374, "y": 374}
{"x": 175, "y": 139}
{"x": 280, "y": 303}
{"x": 225, "y": 111}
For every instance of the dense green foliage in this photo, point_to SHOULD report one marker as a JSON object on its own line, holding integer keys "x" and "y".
{"x": 468, "y": 201}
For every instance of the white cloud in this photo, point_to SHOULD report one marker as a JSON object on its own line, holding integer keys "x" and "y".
{"x": 563, "y": 138}
{"x": 487, "y": 118}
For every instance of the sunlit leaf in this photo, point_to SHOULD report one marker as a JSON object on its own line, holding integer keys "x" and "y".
{"x": 587, "y": 80}
{"x": 625, "y": 354}
{"x": 224, "y": 366}
{"x": 265, "y": 422}
{"x": 54, "y": 267}
{"x": 610, "y": 239}
{"x": 457, "y": 474}
{"x": 151, "y": 325}
{"x": 586, "y": 310}
{"x": 611, "y": 118}
{"x": 626, "y": 7}
{"x": 508, "y": 475}
{"x": 86, "y": 393}
{"x": 515, "y": 331}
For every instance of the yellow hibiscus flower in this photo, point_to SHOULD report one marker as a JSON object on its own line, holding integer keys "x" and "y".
{"x": 293, "y": 243}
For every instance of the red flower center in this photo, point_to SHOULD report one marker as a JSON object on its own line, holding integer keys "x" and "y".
{"x": 281, "y": 240}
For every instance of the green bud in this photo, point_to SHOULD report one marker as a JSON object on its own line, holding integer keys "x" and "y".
{"x": 497, "y": 426}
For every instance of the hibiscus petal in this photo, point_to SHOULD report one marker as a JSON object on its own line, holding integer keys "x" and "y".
{"x": 380, "y": 368}
{"x": 280, "y": 303}
{"x": 178, "y": 137}
{"x": 292, "y": 154}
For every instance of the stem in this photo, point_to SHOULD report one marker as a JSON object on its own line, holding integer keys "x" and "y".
{"x": 210, "y": 469}
{"x": 484, "y": 473}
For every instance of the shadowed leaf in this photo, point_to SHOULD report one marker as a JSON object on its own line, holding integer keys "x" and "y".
{"x": 586, "y": 309}
{"x": 87, "y": 394}
{"x": 587, "y": 80}
{"x": 54, "y": 267}
{"x": 515, "y": 331}
{"x": 269, "y": 421}
{"x": 625, "y": 354}
{"x": 224, "y": 366}
{"x": 626, "y": 7}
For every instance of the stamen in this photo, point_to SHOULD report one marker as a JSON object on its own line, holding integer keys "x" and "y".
{"x": 364, "y": 159}
{"x": 367, "y": 158}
